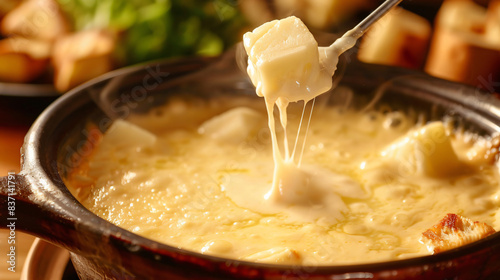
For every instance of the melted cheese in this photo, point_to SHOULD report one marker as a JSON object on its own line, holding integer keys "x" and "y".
{"x": 179, "y": 186}
{"x": 285, "y": 65}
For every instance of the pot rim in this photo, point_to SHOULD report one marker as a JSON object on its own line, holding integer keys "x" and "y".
{"x": 33, "y": 167}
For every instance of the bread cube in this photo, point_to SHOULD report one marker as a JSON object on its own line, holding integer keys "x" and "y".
{"x": 283, "y": 61}
{"x": 426, "y": 150}
{"x": 454, "y": 231}
{"x": 492, "y": 30}
{"x": 400, "y": 38}
{"x": 82, "y": 56}
{"x": 123, "y": 134}
{"x": 461, "y": 50}
{"x": 323, "y": 14}
{"x": 23, "y": 60}
{"x": 7, "y": 5}
{"x": 36, "y": 19}
{"x": 233, "y": 126}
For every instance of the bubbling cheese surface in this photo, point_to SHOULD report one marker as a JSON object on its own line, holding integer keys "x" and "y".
{"x": 174, "y": 182}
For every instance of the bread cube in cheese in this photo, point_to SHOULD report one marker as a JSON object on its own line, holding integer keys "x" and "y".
{"x": 427, "y": 150}
{"x": 454, "y": 231}
{"x": 123, "y": 134}
{"x": 233, "y": 126}
{"x": 276, "y": 255}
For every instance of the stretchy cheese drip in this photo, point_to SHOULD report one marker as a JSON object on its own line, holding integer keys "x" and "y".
{"x": 285, "y": 65}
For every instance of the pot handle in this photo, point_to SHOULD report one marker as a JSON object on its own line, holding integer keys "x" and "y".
{"x": 16, "y": 209}
{"x": 19, "y": 210}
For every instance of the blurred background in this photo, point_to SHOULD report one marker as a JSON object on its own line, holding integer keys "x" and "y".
{"x": 48, "y": 47}
{"x": 67, "y": 42}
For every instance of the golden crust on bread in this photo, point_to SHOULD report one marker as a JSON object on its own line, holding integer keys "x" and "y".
{"x": 82, "y": 56}
{"x": 460, "y": 50}
{"x": 454, "y": 231}
{"x": 400, "y": 38}
{"x": 36, "y": 19}
{"x": 23, "y": 60}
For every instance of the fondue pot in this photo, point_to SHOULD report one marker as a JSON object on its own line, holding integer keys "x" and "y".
{"x": 66, "y": 132}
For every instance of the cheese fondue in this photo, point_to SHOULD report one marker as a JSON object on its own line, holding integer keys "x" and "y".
{"x": 366, "y": 184}
{"x": 198, "y": 185}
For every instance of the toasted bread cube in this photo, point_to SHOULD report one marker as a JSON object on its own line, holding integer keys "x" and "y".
{"x": 323, "y": 14}
{"x": 82, "y": 56}
{"x": 454, "y": 231}
{"x": 400, "y": 38}
{"x": 23, "y": 60}
{"x": 460, "y": 50}
{"x": 7, "y": 5}
{"x": 484, "y": 151}
{"x": 318, "y": 14}
{"x": 256, "y": 12}
{"x": 492, "y": 30}
{"x": 462, "y": 57}
{"x": 20, "y": 68}
{"x": 465, "y": 16}
{"x": 36, "y": 19}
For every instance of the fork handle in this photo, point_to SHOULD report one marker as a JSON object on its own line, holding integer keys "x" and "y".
{"x": 365, "y": 24}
